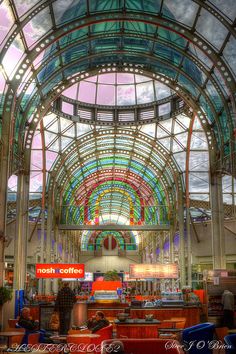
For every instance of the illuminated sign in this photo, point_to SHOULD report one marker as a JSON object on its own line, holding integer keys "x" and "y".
{"x": 60, "y": 270}
{"x": 163, "y": 271}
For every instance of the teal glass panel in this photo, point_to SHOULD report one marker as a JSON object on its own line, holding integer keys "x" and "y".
{"x": 152, "y": 6}
{"x": 106, "y": 27}
{"x": 214, "y": 96}
{"x": 167, "y": 53}
{"x": 188, "y": 85}
{"x": 44, "y": 74}
{"x": 224, "y": 126}
{"x": 205, "y": 106}
{"x": 140, "y": 27}
{"x": 193, "y": 71}
{"x": 73, "y": 37}
{"x": 52, "y": 84}
{"x": 104, "y": 5}
{"x": 133, "y": 44}
{"x": 69, "y": 10}
{"x": 74, "y": 53}
{"x": 106, "y": 44}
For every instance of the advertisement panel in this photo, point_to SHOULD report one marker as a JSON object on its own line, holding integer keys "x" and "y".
{"x": 59, "y": 270}
{"x": 160, "y": 271}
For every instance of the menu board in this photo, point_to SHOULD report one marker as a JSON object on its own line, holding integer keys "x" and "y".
{"x": 163, "y": 271}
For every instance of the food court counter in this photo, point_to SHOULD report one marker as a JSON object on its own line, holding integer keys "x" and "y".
{"x": 191, "y": 313}
{"x": 135, "y": 328}
{"x": 109, "y": 309}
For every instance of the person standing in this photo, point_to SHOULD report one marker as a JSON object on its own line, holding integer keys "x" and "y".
{"x": 64, "y": 305}
{"x": 228, "y": 308}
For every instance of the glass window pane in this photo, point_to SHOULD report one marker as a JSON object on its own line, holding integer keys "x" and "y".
{"x": 64, "y": 11}
{"x": 199, "y": 141}
{"x": 226, "y": 6}
{"x": 13, "y": 55}
{"x": 230, "y": 53}
{"x": 37, "y": 141}
{"x": 36, "y": 181}
{"x": 36, "y": 160}
{"x": 7, "y": 20}
{"x": 182, "y": 10}
{"x": 37, "y": 27}
{"x": 125, "y": 95}
{"x": 164, "y": 109}
{"x": 50, "y": 158}
{"x": 211, "y": 28}
{"x": 125, "y": 78}
{"x": 106, "y": 95}
{"x": 180, "y": 158}
{"x": 71, "y": 92}
{"x": 162, "y": 91}
{"x": 199, "y": 161}
{"x": 198, "y": 182}
{"x": 2, "y": 83}
{"x": 145, "y": 93}
{"x": 87, "y": 91}
{"x": 24, "y": 6}
{"x": 12, "y": 183}
{"x": 106, "y": 79}
{"x": 67, "y": 108}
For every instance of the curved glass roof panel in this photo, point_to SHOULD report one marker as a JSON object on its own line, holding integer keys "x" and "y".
{"x": 160, "y": 34}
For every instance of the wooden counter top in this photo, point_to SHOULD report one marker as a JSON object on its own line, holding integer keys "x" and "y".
{"x": 191, "y": 313}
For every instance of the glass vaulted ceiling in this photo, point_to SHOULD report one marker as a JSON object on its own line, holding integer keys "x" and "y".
{"x": 46, "y": 43}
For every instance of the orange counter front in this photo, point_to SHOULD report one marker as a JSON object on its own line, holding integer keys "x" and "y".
{"x": 110, "y": 309}
{"x": 191, "y": 313}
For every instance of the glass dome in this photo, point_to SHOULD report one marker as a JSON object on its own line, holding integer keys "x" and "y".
{"x": 118, "y": 89}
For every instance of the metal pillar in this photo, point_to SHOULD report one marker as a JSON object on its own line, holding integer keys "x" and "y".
{"x": 181, "y": 241}
{"x": 217, "y": 229}
{"x": 4, "y": 167}
{"x": 171, "y": 250}
{"x": 21, "y": 239}
{"x": 49, "y": 243}
{"x": 189, "y": 249}
{"x": 42, "y": 250}
{"x": 56, "y": 255}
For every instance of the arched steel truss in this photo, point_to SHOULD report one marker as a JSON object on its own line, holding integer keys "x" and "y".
{"x": 147, "y": 20}
{"x": 112, "y": 156}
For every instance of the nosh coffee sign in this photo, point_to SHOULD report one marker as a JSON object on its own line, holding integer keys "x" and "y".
{"x": 59, "y": 270}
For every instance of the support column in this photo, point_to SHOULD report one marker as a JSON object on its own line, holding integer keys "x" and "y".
{"x": 181, "y": 241}
{"x": 56, "y": 255}
{"x": 161, "y": 258}
{"x": 217, "y": 228}
{"x": 189, "y": 248}
{"x": 171, "y": 250}
{"x": 42, "y": 248}
{"x": 49, "y": 242}
{"x": 21, "y": 239}
{"x": 154, "y": 246}
{"x": 4, "y": 167}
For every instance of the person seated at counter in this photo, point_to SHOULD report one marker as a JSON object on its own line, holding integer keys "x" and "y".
{"x": 26, "y": 321}
{"x": 97, "y": 322}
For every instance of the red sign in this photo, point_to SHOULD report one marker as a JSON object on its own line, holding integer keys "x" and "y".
{"x": 164, "y": 271}
{"x": 59, "y": 270}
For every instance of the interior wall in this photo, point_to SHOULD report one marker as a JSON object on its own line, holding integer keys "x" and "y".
{"x": 202, "y": 251}
{"x": 106, "y": 263}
